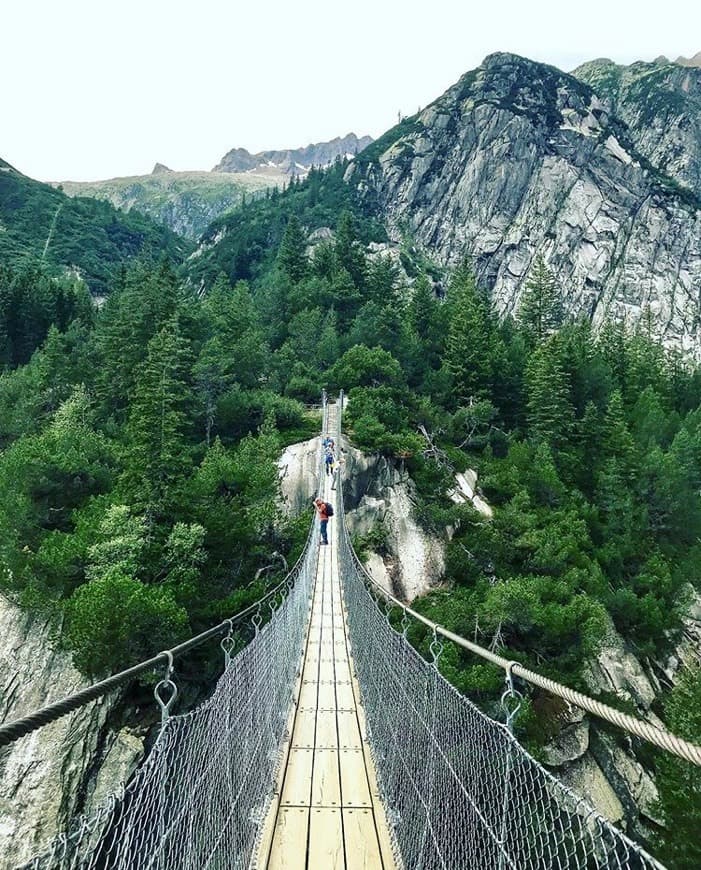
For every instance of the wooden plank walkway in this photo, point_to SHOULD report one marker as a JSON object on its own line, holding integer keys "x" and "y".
{"x": 327, "y": 813}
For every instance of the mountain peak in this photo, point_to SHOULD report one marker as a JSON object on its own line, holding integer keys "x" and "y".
{"x": 690, "y": 61}
{"x": 160, "y": 168}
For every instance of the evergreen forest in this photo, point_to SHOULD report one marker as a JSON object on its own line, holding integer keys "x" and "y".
{"x": 138, "y": 479}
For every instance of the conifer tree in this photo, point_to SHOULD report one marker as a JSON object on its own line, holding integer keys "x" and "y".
{"x": 617, "y": 441}
{"x": 540, "y": 311}
{"x": 468, "y": 353}
{"x": 348, "y": 251}
{"x": 158, "y": 420}
{"x": 292, "y": 255}
{"x": 550, "y": 415}
{"x": 612, "y": 346}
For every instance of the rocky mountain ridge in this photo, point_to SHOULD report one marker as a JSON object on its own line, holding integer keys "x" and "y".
{"x": 520, "y": 159}
{"x": 187, "y": 202}
{"x": 78, "y": 237}
{"x": 291, "y": 162}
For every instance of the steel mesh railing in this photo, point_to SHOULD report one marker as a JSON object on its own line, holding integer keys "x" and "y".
{"x": 458, "y": 789}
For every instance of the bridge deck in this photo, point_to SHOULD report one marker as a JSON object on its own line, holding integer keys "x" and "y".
{"x": 327, "y": 813}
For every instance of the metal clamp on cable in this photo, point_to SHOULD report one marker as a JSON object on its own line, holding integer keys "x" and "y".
{"x": 436, "y": 648}
{"x": 167, "y": 685}
{"x": 227, "y": 643}
{"x": 513, "y": 694}
{"x": 257, "y": 620}
{"x": 405, "y": 622}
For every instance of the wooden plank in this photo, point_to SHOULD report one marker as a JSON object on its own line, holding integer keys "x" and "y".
{"x": 327, "y": 696}
{"x": 296, "y": 790}
{"x": 303, "y": 735}
{"x": 348, "y": 730}
{"x": 325, "y": 840}
{"x": 326, "y": 785}
{"x": 362, "y": 846}
{"x": 327, "y": 673}
{"x": 354, "y": 780}
{"x": 326, "y": 734}
{"x": 308, "y": 694}
{"x": 289, "y": 849}
{"x": 343, "y": 672}
{"x": 385, "y": 840}
{"x": 344, "y": 696}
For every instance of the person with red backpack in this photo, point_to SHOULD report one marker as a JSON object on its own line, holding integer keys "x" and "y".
{"x": 325, "y": 511}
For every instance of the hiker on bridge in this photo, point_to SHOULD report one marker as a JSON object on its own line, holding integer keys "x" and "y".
{"x": 325, "y": 510}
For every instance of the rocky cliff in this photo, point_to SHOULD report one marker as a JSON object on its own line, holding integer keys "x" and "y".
{"x": 65, "y": 768}
{"x": 661, "y": 104}
{"x": 520, "y": 159}
{"x": 292, "y": 161}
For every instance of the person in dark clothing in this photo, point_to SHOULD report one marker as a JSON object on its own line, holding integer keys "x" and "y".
{"x": 328, "y": 461}
{"x": 320, "y": 505}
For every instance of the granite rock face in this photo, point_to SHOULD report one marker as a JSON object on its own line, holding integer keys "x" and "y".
{"x": 661, "y": 104}
{"x": 65, "y": 768}
{"x": 519, "y": 159}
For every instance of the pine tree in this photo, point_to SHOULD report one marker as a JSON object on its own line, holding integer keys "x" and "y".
{"x": 348, "y": 251}
{"x": 540, "y": 311}
{"x": 550, "y": 415}
{"x": 469, "y": 346}
{"x": 611, "y": 344}
{"x": 158, "y": 421}
{"x": 616, "y": 439}
{"x": 292, "y": 255}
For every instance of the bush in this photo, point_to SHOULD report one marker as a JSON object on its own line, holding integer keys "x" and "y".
{"x": 116, "y": 621}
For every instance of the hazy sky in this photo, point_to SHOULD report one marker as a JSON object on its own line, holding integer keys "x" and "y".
{"x": 98, "y": 88}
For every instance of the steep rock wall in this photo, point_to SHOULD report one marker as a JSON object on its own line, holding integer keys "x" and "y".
{"x": 64, "y": 768}
{"x": 520, "y": 159}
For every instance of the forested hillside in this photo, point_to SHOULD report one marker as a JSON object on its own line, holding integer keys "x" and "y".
{"x": 80, "y": 237}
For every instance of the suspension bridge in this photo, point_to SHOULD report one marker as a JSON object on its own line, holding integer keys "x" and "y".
{"x": 330, "y": 743}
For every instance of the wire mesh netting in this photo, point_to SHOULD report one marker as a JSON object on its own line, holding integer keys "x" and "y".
{"x": 200, "y": 798}
{"x": 459, "y": 790}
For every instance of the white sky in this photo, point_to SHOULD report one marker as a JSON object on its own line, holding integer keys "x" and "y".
{"x": 98, "y": 88}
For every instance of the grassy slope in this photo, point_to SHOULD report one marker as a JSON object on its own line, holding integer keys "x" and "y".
{"x": 185, "y": 201}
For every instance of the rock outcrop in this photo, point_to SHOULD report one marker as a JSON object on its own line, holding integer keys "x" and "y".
{"x": 520, "y": 159}
{"x": 64, "y": 768}
{"x": 601, "y": 764}
{"x": 375, "y": 492}
{"x": 298, "y": 468}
